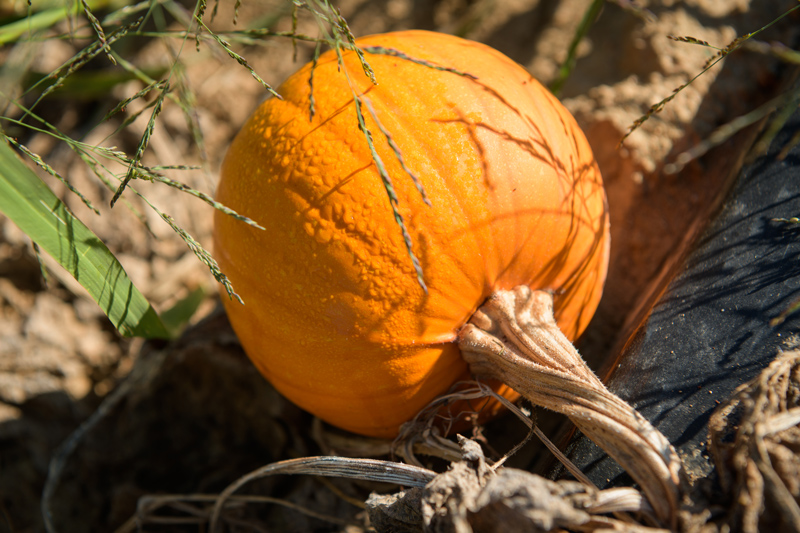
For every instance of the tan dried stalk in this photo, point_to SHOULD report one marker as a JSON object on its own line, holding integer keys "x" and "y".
{"x": 514, "y": 338}
{"x": 754, "y": 438}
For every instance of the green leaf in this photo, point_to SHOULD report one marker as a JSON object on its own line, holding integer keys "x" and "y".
{"x": 178, "y": 316}
{"x": 31, "y": 205}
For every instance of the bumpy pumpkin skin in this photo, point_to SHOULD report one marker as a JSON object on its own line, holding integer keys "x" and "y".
{"x": 334, "y": 316}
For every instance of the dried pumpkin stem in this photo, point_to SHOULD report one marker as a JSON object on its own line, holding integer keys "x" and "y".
{"x": 514, "y": 338}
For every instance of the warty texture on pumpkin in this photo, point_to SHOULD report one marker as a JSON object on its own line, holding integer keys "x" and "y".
{"x": 334, "y": 315}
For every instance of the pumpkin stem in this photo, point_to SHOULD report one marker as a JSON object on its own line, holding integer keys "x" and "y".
{"x": 514, "y": 338}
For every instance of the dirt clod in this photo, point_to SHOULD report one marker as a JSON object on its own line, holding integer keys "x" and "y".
{"x": 470, "y": 496}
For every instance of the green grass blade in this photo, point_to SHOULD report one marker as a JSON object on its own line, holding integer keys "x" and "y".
{"x": 31, "y": 205}
{"x": 43, "y": 20}
{"x": 572, "y": 53}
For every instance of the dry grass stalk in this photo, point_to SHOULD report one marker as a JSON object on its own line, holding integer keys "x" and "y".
{"x": 471, "y": 496}
{"x": 196, "y": 510}
{"x": 755, "y": 443}
{"x": 422, "y": 435}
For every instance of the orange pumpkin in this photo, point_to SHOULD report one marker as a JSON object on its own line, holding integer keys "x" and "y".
{"x": 334, "y": 315}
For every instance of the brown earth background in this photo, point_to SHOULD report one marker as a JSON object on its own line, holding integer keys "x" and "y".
{"x": 196, "y": 414}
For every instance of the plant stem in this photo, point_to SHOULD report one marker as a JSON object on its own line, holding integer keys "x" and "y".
{"x": 514, "y": 338}
{"x": 572, "y": 54}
